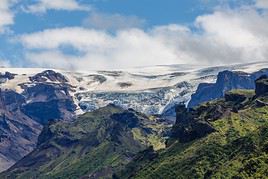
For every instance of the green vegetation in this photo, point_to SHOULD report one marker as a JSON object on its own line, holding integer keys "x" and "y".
{"x": 225, "y": 138}
{"x": 248, "y": 93}
{"x": 95, "y": 145}
{"x": 237, "y": 149}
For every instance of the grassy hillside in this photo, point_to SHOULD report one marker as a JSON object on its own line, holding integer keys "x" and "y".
{"x": 238, "y": 148}
{"x": 226, "y": 138}
{"x": 95, "y": 145}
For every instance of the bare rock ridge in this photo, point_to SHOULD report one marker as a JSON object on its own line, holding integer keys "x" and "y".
{"x": 226, "y": 81}
{"x": 49, "y": 75}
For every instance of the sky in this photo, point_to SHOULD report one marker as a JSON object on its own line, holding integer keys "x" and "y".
{"x": 117, "y": 34}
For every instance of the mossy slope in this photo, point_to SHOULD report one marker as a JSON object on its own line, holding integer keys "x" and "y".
{"x": 94, "y": 146}
{"x": 238, "y": 148}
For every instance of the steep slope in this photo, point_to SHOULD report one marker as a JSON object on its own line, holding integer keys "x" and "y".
{"x": 18, "y": 132}
{"x": 22, "y": 115}
{"x": 226, "y": 138}
{"x": 94, "y": 146}
{"x": 226, "y": 81}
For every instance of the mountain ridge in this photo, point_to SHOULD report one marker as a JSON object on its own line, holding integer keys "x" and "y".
{"x": 226, "y": 81}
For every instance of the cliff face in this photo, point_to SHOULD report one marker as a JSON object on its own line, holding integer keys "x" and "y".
{"x": 22, "y": 115}
{"x": 226, "y": 81}
{"x": 18, "y": 132}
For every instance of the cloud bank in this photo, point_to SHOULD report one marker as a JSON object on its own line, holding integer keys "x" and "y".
{"x": 222, "y": 37}
{"x": 43, "y": 5}
{"x": 6, "y": 14}
{"x": 262, "y": 4}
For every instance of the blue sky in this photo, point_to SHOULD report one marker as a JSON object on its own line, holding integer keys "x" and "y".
{"x": 184, "y": 31}
{"x": 153, "y": 12}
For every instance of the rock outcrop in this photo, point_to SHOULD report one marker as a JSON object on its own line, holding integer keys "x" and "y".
{"x": 188, "y": 127}
{"x": 6, "y": 76}
{"x": 226, "y": 81}
{"x": 261, "y": 85}
{"x": 49, "y": 75}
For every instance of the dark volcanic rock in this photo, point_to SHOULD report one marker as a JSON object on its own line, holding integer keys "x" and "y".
{"x": 188, "y": 127}
{"x": 239, "y": 98}
{"x": 48, "y": 102}
{"x": 49, "y": 75}
{"x": 22, "y": 116}
{"x": 6, "y": 76}
{"x": 125, "y": 84}
{"x": 261, "y": 85}
{"x": 235, "y": 97}
{"x": 127, "y": 118}
{"x": 18, "y": 132}
{"x": 226, "y": 81}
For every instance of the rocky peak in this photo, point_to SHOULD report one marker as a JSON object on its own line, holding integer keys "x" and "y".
{"x": 230, "y": 79}
{"x": 6, "y": 76}
{"x": 49, "y": 75}
{"x": 22, "y": 115}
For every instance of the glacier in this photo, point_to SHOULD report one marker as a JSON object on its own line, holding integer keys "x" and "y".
{"x": 150, "y": 90}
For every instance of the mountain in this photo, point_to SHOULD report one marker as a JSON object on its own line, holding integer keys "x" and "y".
{"x": 150, "y": 90}
{"x": 225, "y": 138}
{"x": 33, "y": 97}
{"x": 22, "y": 115}
{"x": 94, "y": 146}
{"x": 226, "y": 81}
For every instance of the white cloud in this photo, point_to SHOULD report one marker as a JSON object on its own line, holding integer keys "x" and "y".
{"x": 262, "y": 4}
{"x": 127, "y": 48}
{"x": 6, "y": 14}
{"x": 80, "y": 38}
{"x": 43, "y": 5}
{"x": 112, "y": 21}
{"x": 234, "y": 35}
{"x": 222, "y": 37}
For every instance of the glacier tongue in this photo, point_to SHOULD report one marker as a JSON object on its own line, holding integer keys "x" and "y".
{"x": 153, "y": 101}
